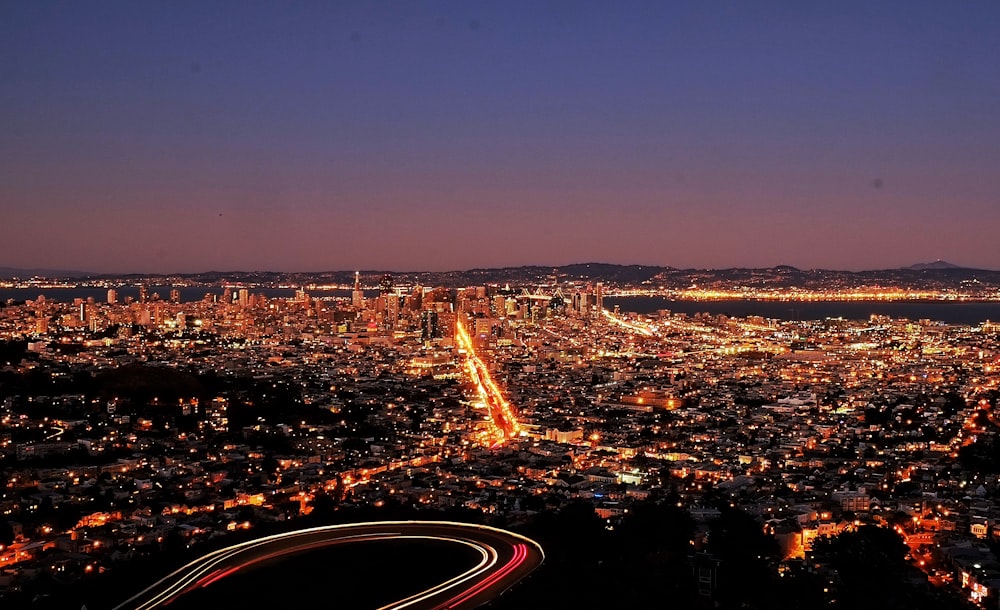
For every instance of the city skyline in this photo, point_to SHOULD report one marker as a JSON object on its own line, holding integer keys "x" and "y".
{"x": 257, "y": 433}
{"x": 442, "y": 136}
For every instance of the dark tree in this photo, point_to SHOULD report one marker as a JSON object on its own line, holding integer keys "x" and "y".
{"x": 747, "y": 557}
{"x": 870, "y": 570}
{"x": 657, "y": 529}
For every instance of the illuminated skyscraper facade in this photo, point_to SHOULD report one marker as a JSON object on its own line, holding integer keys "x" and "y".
{"x": 357, "y": 296}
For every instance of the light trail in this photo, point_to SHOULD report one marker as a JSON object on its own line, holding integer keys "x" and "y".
{"x": 505, "y": 558}
{"x": 501, "y": 412}
{"x": 489, "y": 559}
{"x": 200, "y": 572}
{"x": 520, "y": 554}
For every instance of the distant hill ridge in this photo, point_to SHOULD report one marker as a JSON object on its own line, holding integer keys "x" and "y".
{"x": 937, "y": 275}
{"x": 10, "y": 272}
{"x": 936, "y": 265}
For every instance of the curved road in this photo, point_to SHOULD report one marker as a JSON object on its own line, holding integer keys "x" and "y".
{"x": 506, "y": 558}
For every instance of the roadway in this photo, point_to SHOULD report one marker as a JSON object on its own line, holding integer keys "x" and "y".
{"x": 505, "y": 558}
{"x": 501, "y": 412}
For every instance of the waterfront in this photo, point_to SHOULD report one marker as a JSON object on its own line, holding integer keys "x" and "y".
{"x": 968, "y": 313}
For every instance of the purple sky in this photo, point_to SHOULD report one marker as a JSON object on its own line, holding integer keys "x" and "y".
{"x": 190, "y": 136}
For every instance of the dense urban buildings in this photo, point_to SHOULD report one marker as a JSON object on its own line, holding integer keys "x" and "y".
{"x": 134, "y": 427}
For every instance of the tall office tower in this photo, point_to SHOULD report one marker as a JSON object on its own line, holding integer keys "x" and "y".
{"x": 83, "y": 312}
{"x": 357, "y": 297}
{"x": 175, "y": 295}
{"x": 392, "y": 310}
{"x": 499, "y": 305}
{"x": 143, "y": 293}
{"x": 415, "y": 301}
{"x": 41, "y": 325}
{"x": 386, "y": 297}
{"x": 112, "y": 296}
{"x": 600, "y": 296}
{"x": 429, "y": 328}
{"x": 244, "y": 297}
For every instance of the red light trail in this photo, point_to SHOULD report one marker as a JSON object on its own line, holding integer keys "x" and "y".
{"x": 469, "y": 589}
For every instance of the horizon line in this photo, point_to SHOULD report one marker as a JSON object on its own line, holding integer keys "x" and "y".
{"x": 63, "y": 273}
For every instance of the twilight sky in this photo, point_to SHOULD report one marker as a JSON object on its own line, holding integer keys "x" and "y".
{"x": 189, "y": 136}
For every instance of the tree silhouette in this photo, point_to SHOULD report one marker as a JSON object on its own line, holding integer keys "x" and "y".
{"x": 746, "y": 555}
{"x": 871, "y": 571}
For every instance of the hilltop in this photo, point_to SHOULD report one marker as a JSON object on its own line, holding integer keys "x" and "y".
{"x": 938, "y": 275}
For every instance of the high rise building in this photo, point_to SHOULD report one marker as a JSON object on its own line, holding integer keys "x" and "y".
{"x": 388, "y": 302}
{"x": 416, "y": 299}
{"x": 357, "y": 296}
{"x": 499, "y": 305}
{"x": 429, "y": 328}
{"x": 112, "y": 296}
{"x": 391, "y": 310}
{"x": 600, "y": 296}
{"x": 175, "y": 295}
{"x": 143, "y": 293}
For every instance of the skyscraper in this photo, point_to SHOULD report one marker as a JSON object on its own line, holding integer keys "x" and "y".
{"x": 391, "y": 310}
{"x": 357, "y": 297}
{"x": 388, "y": 303}
{"x": 429, "y": 328}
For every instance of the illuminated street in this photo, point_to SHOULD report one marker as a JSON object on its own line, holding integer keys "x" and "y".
{"x": 501, "y": 413}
